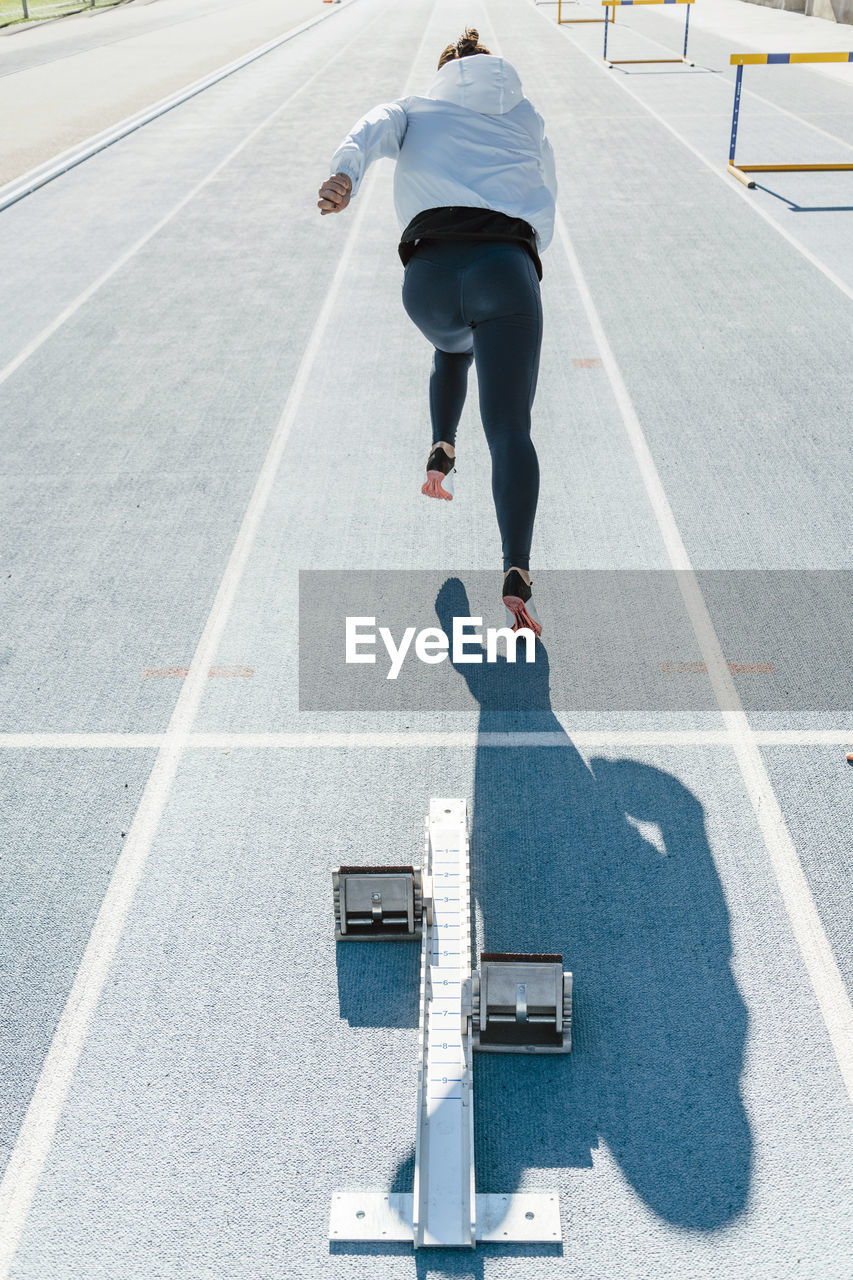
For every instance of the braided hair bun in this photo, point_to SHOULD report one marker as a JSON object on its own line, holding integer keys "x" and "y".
{"x": 467, "y": 44}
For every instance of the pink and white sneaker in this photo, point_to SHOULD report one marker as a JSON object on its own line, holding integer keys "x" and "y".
{"x": 518, "y": 600}
{"x": 440, "y": 469}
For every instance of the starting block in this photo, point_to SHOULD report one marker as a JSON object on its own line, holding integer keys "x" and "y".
{"x": 374, "y": 903}
{"x": 513, "y": 1003}
{"x": 520, "y": 1004}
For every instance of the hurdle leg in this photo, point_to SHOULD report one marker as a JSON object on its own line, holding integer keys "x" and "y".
{"x": 733, "y": 169}
{"x": 686, "y": 30}
{"x": 735, "y": 112}
{"x": 606, "y": 24}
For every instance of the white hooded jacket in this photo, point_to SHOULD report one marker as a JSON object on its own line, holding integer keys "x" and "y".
{"x": 472, "y": 141}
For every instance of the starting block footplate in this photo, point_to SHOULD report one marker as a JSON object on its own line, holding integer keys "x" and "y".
{"x": 531, "y": 1217}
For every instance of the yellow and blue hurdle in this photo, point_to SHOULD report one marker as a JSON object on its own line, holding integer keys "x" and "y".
{"x": 740, "y": 60}
{"x": 618, "y": 62}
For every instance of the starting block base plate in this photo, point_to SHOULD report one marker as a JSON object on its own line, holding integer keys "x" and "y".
{"x": 526, "y": 1217}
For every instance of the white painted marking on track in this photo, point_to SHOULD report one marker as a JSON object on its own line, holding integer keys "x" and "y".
{"x": 79, "y": 741}
{"x": 89, "y": 292}
{"x": 820, "y": 963}
{"x": 331, "y": 739}
{"x": 35, "y": 1137}
{"x": 719, "y": 170}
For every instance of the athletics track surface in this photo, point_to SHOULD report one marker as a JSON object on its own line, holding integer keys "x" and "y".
{"x": 189, "y": 437}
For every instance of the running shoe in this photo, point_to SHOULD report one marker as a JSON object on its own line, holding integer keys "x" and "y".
{"x": 440, "y": 470}
{"x": 518, "y": 599}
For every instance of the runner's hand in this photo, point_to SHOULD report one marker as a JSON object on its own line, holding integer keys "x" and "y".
{"x": 335, "y": 194}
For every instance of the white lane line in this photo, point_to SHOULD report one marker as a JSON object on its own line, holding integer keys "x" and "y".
{"x": 79, "y": 741}
{"x": 802, "y": 737}
{"x": 515, "y": 738}
{"x": 808, "y": 930}
{"x": 89, "y": 292}
{"x": 459, "y": 738}
{"x": 38, "y": 177}
{"x": 234, "y": 741}
{"x": 714, "y": 166}
{"x": 28, "y": 1157}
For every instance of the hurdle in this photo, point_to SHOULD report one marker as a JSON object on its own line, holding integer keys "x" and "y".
{"x": 740, "y": 60}
{"x": 565, "y": 22}
{"x": 618, "y": 62}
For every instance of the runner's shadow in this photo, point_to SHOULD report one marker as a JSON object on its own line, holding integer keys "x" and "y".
{"x": 608, "y": 863}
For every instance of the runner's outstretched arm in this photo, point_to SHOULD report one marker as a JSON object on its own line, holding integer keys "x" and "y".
{"x": 379, "y": 133}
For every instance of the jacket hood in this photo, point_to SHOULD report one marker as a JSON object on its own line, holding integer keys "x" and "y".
{"x": 481, "y": 82}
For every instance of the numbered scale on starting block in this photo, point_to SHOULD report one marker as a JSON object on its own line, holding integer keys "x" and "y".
{"x": 512, "y": 1004}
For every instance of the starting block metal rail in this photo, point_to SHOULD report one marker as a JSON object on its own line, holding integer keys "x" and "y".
{"x": 740, "y": 60}
{"x": 621, "y": 62}
{"x": 512, "y": 1004}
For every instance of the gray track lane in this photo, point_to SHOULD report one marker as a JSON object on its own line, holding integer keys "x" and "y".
{"x": 121, "y": 194}
{"x": 62, "y": 818}
{"x": 815, "y": 208}
{"x": 39, "y": 46}
{"x": 712, "y": 320}
{"x": 592, "y": 510}
{"x": 100, "y": 86}
{"x": 825, "y": 100}
{"x": 165, "y": 407}
{"x": 239, "y": 1071}
{"x": 226, "y": 987}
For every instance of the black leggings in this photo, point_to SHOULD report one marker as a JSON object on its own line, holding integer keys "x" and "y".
{"x": 480, "y": 301}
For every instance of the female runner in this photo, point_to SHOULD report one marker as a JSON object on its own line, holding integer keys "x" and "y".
{"x": 474, "y": 190}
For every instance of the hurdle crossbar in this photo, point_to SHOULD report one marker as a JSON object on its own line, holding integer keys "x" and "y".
{"x": 740, "y": 60}
{"x": 621, "y": 62}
